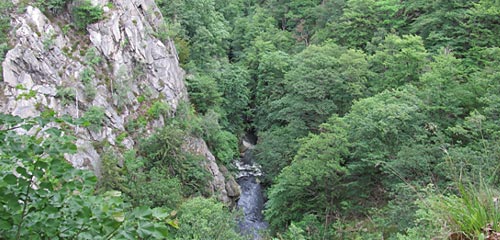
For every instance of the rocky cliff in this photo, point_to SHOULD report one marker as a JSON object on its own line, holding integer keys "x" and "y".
{"x": 118, "y": 65}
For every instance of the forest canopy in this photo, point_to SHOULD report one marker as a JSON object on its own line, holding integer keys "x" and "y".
{"x": 374, "y": 119}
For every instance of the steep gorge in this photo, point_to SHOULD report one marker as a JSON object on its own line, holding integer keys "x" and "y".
{"x": 118, "y": 65}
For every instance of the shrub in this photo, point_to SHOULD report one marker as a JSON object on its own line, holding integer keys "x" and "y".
{"x": 92, "y": 56}
{"x": 136, "y": 125}
{"x": 112, "y": 175}
{"x": 187, "y": 119}
{"x": 163, "y": 150}
{"x": 201, "y": 218}
{"x": 93, "y": 118}
{"x": 472, "y": 214}
{"x": 5, "y": 8}
{"x": 121, "y": 92}
{"x": 54, "y": 6}
{"x": 225, "y": 146}
{"x": 156, "y": 189}
{"x": 66, "y": 94}
{"x": 157, "y": 109}
{"x": 87, "y": 77}
{"x": 195, "y": 178}
{"x": 44, "y": 197}
{"x": 85, "y": 13}
{"x": 183, "y": 50}
{"x": 3, "y": 50}
{"x": 429, "y": 223}
{"x": 120, "y": 95}
{"x": 474, "y": 211}
{"x": 203, "y": 93}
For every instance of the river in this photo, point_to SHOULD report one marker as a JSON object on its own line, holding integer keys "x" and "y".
{"x": 251, "y": 200}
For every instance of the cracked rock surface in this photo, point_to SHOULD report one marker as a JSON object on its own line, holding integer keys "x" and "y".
{"x": 46, "y": 63}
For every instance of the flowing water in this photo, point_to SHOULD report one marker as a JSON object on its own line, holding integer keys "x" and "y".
{"x": 251, "y": 199}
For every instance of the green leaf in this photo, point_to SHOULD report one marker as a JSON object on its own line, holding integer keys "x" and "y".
{"x": 13, "y": 204}
{"x": 160, "y": 213}
{"x": 142, "y": 212}
{"x": 174, "y": 223}
{"x": 5, "y": 225}
{"x": 112, "y": 194}
{"x": 160, "y": 231}
{"x": 22, "y": 171}
{"x": 53, "y": 131}
{"x": 119, "y": 216}
{"x": 10, "y": 179}
{"x": 144, "y": 230}
{"x": 126, "y": 235}
{"x": 51, "y": 210}
{"x": 41, "y": 165}
{"x": 27, "y": 127}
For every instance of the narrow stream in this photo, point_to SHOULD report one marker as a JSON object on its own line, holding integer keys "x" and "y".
{"x": 251, "y": 199}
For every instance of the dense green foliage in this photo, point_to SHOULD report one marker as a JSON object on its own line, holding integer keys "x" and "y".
{"x": 93, "y": 118}
{"x": 375, "y": 120}
{"x": 366, "y": 111}
{"x": 5, "y": 8}
{"x": 317, "y": 168}
{"x": 84, "y": 13}
{"x": 206, "y": 219}
{"x": 44, "y": 197}
{"x": 54, "y": 6}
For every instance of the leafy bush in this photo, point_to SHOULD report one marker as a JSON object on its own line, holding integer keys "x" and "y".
{"x": 155, "y": 189}
{"x": 4, "y": 47}
{"x": 194, "y": 176}
{"x": 112, "y": 175}
{"x": 66, "y": 94}
{"x": 203, "y": 93}
{"x": 472, "y": 214}
{"x": 201, "y": 218}
{"x": 120, "y": 95}
{"x": 294, "y": 233}
{"x": 312, "y": 183}
{"x": 187, "y": 119}
{"x": 162, "y": 148}
{"x": 233, "y": 84}
{"x": 159, "y": 108}
{"x": 308, "y": 228}
{"x": 87, "y": 77}
{"x": 93, "y": 118}
{"x": 136, "y": 125}
{"x": 163, "y": 151}
{"x": 44, "y": 197}
{"x": 429, "y": 222}
{"x": 183, "y": 50}
{"x": 225, "y": 146}
{"x": 92, "y": 56}
{"x": 5, "y": 8}
{"x": 84, "y": 13}
{"x": 54, "y": 6}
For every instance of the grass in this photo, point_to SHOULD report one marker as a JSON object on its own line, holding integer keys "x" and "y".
{"x": 474, "y": 212}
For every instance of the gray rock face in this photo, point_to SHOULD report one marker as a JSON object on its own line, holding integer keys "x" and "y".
{"x": 45, "y": 68}
{"x": 126, "y": 41}
{"x": 224, "y": 188}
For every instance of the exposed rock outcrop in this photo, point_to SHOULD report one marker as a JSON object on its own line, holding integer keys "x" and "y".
{"x": 225, "y": 189}
{"x": 130, "y": 69}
